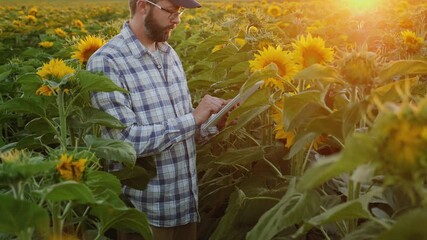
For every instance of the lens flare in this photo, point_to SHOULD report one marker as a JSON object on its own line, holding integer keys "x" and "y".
{"x": 361, "y": 5}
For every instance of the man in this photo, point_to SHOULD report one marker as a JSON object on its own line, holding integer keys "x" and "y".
{"x": 157, "y": 111}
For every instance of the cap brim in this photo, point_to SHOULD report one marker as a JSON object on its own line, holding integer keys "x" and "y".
{"x": 186, "y": 3}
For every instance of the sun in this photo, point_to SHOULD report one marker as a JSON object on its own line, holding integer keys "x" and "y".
{"x": 361, "y": 5}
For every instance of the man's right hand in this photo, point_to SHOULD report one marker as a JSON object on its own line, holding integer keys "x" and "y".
{"x": 208, "y": 105}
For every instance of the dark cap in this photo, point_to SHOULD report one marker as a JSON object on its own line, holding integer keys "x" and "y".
{"x": 186, "y": 3}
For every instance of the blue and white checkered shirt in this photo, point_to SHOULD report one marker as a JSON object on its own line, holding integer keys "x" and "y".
{"x": 158, "y": 114}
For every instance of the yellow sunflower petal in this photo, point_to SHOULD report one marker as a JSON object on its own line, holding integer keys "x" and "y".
{"x": 86, "y": 47}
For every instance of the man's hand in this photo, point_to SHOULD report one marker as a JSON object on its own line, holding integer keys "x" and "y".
{"x": 222, "y": 122}
{"x": 207, "y": 106}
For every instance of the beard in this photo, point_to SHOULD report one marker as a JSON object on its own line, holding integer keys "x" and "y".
{"x": 154, "y": 31}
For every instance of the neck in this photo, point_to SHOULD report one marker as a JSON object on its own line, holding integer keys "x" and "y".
{"x": 138, "y": 29}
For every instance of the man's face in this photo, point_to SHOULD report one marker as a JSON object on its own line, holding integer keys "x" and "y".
{"x": 155, "y": 30}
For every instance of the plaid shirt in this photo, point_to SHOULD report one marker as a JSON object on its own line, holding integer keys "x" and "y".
{"x": 158, "y": 114}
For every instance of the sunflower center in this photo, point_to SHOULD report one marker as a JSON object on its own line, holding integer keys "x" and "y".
{"x": 311, "y": 56}
{"x": 88, "y": 52}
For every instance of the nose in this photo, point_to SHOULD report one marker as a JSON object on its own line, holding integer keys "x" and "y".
{"x": 176, "y": 20}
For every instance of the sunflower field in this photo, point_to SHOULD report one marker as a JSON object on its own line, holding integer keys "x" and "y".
{"x": 332, "y": 146}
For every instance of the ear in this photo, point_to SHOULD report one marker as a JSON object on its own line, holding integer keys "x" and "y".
{"x": 142, "y": 6}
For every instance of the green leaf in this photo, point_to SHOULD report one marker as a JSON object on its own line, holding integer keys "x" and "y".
{"x": 258, "y": 100}
{"x": 301, "y": 143}
{"x": 95, "y": 116}
{"x": 112, "y": 150}
{"x": 98, "y": 181}
{"x": 226, "y": 225}
{"x": 388, "y": 93}
{"x": 356, "y": 209}
{"x": 35, "y": 105}
{"x": 122, "y": 219}
{"x": 211, "y": 42}
{"x": 249, "y": 115}
{"x": 241, "y": 156}
{"x": 403, "y": 68}
{"x": 110, "y": 198}
{"x": 329, "y": 124}
{"x": 359, "y": 149}
{"x": 221, "y": 54}
{"x": 293, "y": 107}
{"x": 408, "y": 226}
{"x": 292, "y": 209}
{"x": 32, "y": 52}
{"x": 30, "y": 83}
{"x": 4, "y": 75}
{"x": 351, "y": 117}
{"x": 239, "y": 68}
{"x": 269, "y": 71}
{"x": 92, "y": 82}
{"x": 16, "y": 172}
{"x": 67, "y": 191}
{"x": 307, "y": 113}
{"x": 367, "y": 231}
{"x": 201, "y": 80}
{"x": 39, "y": 126}
{"x": 234, "y": 60}
{"x": 18, "y": 215}
{"x": 317, "y": 71}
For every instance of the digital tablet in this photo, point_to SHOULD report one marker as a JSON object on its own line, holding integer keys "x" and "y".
{"x": 238, "y": 99}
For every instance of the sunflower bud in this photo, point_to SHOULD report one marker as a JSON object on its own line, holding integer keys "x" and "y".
{"x": 402, "y": 137}
{"x": 359, "y": 68}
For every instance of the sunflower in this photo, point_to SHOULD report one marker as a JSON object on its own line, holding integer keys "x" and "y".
{"x": 411, "y": 42}
{"x": 56, "y": 68}
{"x": 309, "y": 50}
{"x": 17, "y": 23}
{"x": 359, "y": 68}
{"x": 315, "y": 26}
{"x": 274, "y": 11}
{"x": 78, "y": 23}
{"x": 60, "y": 32}
{"x": 46, "y": 44}
{"x": 46, "y": 91}
{"x": 30, "y": 19}
{"x": 70, "y": 169}
{"x": 279, "y": 57}
{"x": 86, "y": 47}
{"x": 406, "y": 23}
{"x": 33, "y": 11}
{"x": 13, "y": 156}
{"x": 402, "y": 136}
{"x": 288, "y": 138}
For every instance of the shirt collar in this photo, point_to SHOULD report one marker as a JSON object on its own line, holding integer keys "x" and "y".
{"x": 135, "y": 46}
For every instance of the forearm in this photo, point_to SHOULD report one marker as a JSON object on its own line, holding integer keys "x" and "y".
{"x": 155, "y": 138}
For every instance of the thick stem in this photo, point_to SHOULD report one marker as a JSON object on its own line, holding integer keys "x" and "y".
{"x": 307, "y": 156}
{"x": 62, "y": 120}
{"x": 57, "y": 221}
{"x": 353, "y": 193}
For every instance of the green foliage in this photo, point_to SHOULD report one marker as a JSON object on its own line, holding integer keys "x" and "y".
{"x": 20, "y": 216}
{"x": 317, "y": 130}
{"x": 59, "y": 127}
